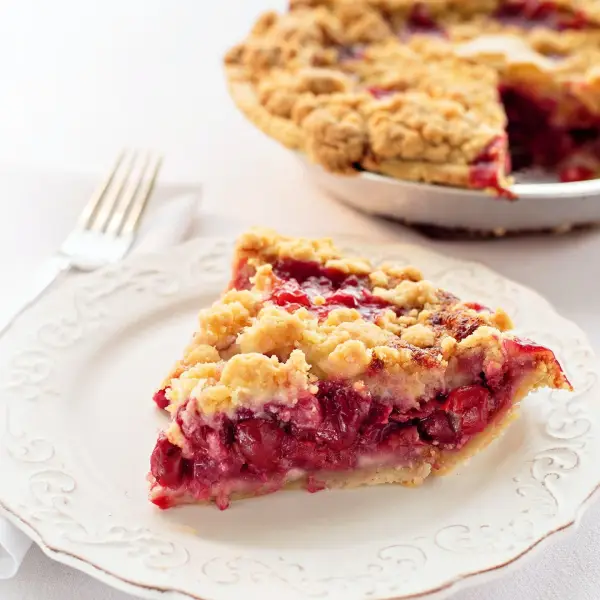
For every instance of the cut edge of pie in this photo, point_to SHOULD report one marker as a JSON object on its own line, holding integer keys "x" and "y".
{"x": 315, "y": 370}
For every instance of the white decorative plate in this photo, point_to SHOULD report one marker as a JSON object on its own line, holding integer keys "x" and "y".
{"x": 77, "y": 426}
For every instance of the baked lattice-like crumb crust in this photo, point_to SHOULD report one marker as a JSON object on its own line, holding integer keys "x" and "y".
{"x": 267, "y": 342}
{"x": 248, "y": 350}
{"x": 359, "y": 84}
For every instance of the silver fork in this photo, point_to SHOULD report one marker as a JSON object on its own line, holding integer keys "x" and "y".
{"x": 105, "y": 230}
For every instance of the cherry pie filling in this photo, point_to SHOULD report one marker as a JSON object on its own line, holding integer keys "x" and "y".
{"x": 540, "y": 13}
{"x": 421, "y": 22}
{"x": 321, "y": 290}
{"x": 525, "y": 14}
{"x": 336, "y": 429}
{"x": 535, "y": 137}
{"x": 571, "y": 148}
{"x": 340, "y": 425}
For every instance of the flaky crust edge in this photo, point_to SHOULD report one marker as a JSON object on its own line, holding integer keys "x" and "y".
{"x": 292, "y": 137}
{"x": 283, "y": 130}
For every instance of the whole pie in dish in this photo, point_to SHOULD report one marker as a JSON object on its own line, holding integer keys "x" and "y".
{"x": 455, "y": 92}
{"x": 316, "y": 370}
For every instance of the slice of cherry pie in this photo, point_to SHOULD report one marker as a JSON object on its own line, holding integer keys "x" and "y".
{"x": 456, "y": 92}
{"x": 321, "y": 371}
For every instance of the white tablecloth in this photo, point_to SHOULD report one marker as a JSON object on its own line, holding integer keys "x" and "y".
{"x": 82, "y": 79}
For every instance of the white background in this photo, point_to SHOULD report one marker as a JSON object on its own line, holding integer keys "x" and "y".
{"x": 79, "y": 80}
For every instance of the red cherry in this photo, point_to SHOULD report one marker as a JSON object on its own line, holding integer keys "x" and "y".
{"x": 576, "y": 173}
{"x": 344, "y": 298}
{"x": 160, "y": 399}
{"x": 290, "y": 293}
{"x": 420, "y": 17}
{"x": 344, "y": 411}
{"x": 163, "y": 502}
{"x": 260, "y": 443}
{"x": 439, "y": 428}
{"x": 471, "y": 406}
{"x": 476, "y": 306}
{"x": 166, "y": 463}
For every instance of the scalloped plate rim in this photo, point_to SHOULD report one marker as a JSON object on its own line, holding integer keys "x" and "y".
{"x": 451, "y": 587}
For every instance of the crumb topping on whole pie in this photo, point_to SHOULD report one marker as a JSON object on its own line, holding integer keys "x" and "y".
{"x": 314, "y": 364}
{"x": 451, "y": 92}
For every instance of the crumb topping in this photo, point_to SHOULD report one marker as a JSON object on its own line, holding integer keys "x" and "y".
{"x": 175, "y": 435}
{"x": 254, "y": 376}
{"x": 269, "y": 246}
{"x": 275, "y": 331}
{"x": 198, "y": 353}
{"x": 419, "y": 335}
{"x": 261, "y": 247}
{"x": 411, "y": 294}
{"x": 350, "y": 265}
{"x": 219, "y": 325}
{"x": 249, "y": 350}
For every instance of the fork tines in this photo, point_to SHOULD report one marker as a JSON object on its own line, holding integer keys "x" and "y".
{"x": 118, "y": 204}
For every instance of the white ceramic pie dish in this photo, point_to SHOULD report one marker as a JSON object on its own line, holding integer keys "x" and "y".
{"x": 77, "y": 425}
{"x": 544, "y": 206}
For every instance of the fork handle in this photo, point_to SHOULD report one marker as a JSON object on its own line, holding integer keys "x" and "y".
{"x": 42, "y": 279}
